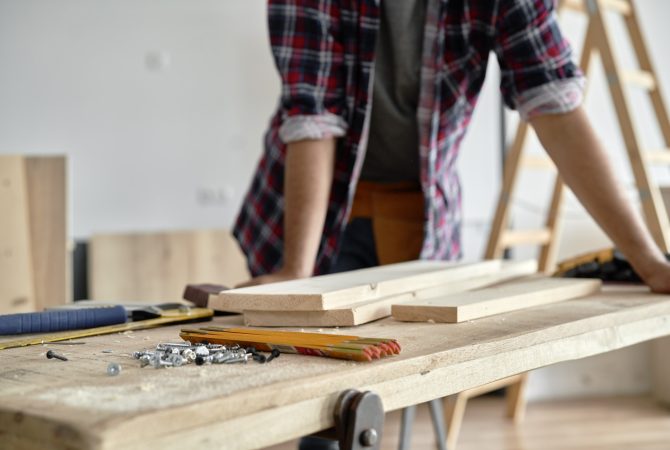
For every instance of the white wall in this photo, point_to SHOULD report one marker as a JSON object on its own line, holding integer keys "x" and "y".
{"x": 149, "y": 147}
{"x": 160, "y": 106}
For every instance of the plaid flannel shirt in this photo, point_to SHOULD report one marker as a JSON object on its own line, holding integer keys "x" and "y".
{"x": 324, "y": 52}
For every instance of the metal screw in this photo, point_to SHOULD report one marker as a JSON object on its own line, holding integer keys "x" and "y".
{"x": 169, "y": 345}
{"x": 113, "y": 369}
{"x": 176, "y": 359}
{"x": 201, "y": 350}
{"x": 145, "y": 360}
{"x": 189, "y": 355}
{"x": 369, "y": 437}
{"x": 139, "y": 355}
{"x": 51, "y": 354}
{"x": 201, "y": 360}
{"x": 237, "y": 359}
{"x": 157, "y": 362}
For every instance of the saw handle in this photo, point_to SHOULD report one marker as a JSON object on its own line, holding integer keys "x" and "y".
{"x": 61, "y": 320}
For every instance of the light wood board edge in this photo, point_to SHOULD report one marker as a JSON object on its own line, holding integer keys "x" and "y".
{"x": 361, "y": 313}
{"x": 497, "y": 300}
{"x": 259, "y": 298}
{"x": 17, "y": 288}
{"x": 46, "y": 180}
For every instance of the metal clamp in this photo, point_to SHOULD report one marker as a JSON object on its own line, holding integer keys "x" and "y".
{"x": 359, "y": 420}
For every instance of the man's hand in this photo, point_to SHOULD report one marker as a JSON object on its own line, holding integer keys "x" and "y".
{"x": 585, "y": 168}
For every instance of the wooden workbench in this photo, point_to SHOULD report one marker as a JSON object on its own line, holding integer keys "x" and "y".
{"x": 76, "y": 405}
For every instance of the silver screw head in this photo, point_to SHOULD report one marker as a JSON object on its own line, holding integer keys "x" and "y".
{"x": 176, "y": 359}
{"x": 145, "y": 360}
{"x": 189, "y": 355}
{"x": 113, "y": 369}
{"x": 201, "y": 350}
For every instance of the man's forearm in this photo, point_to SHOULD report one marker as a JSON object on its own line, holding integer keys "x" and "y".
{"x": 585, "y": 168}
{"x": 307, "y": 180}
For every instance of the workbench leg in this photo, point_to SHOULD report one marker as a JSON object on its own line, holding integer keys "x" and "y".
{"x": 408, "y": 415}
{"x": 454, "y": 406}
{"x": 516, "y": 399}
{"x": 437, "y": 415}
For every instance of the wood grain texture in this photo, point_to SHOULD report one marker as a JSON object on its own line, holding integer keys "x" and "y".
{"x": 75, "y": 405}
{"x": 157, "y": 266}
{"x": 17, "y": 292}
{"x": 360, "y": 313}
{"x": 47, "y": 199}
{"x": 496, "y": 300}
{"x": 343, "y": 289}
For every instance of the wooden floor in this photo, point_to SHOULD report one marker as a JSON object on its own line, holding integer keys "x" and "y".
{"x": 631, "y": 423}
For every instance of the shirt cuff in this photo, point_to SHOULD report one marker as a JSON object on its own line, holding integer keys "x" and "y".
{"x": 556, "y": 97}
{"x": 323, "y": 126}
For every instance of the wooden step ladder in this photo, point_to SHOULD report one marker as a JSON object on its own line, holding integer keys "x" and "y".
{"x": 597, "y": 40}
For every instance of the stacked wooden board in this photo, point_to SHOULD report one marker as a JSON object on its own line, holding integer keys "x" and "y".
{"x": 155, "y": 266}
{"x": 33, "y": 233}
{"x": 415, "y": 291}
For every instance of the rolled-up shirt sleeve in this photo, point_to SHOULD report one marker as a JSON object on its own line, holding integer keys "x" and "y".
{"x": 321, "y": 126}
{"x": 538, "y": 74}
{"x": 309, "y": 57}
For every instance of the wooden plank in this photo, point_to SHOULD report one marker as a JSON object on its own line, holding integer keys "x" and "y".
{"x": 343, "y": 289}
{"x": 620, "y": 6}
{"x": 76, "y": 405}
{"x": 512, "y": 238}
{"x": 47, "y": 200}
{"x": 486, "y": 302}
{"x": 541, "y": 162}
{"x": 640, "y": 78}
{"x": 16, "y": 273}
{"x": 360, "y": 313}
{"x": 496, "y": 246}
{"x": 157, "y": 266}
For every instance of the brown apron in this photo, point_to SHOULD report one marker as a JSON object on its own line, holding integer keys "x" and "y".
{"x": 397, "y": 214}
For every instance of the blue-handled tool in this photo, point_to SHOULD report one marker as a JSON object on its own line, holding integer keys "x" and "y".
{"x": 61, "y": 320}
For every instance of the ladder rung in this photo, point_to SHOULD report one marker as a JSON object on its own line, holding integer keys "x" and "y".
{"x": 538, "y": 162}
{"x": 640, "y": 78}
{"x": 658, "y": 156}
{"x": 620, "y": 6}
{"x": 511, "y": 238}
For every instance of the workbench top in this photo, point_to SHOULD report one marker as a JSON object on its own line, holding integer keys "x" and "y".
{"x": 76, "y": 405}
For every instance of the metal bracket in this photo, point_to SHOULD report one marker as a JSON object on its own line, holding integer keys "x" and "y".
{"x": 359, "y": 420}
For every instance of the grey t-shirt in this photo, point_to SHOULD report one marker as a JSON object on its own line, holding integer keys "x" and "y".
{"x": 393, "y": 146}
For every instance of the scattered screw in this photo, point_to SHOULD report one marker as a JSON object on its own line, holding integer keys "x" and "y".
{"x": 51, "y": 354}
{"x": 145, "y": 360}
{"x": 157, "y": 362}
{"x": 113, "y": 369}
{"x": 176, "y": 359}
{"x": 201, "y": 350}
{"x": 189, "y": 355}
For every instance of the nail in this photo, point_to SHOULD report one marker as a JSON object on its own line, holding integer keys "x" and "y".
{"x": 51, "y": 354}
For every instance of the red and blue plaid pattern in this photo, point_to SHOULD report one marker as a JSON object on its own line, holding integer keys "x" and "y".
{"x": 324, "y": 52}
